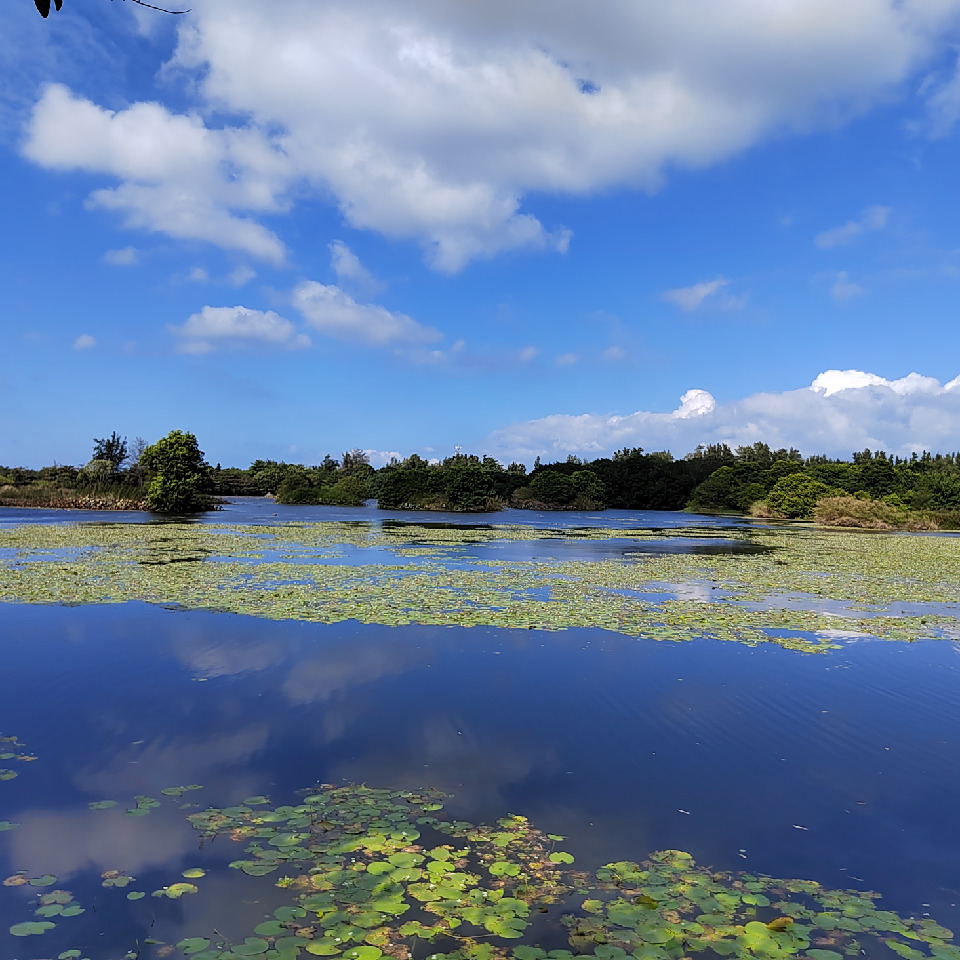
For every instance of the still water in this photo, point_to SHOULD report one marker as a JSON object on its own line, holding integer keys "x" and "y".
{"x": 841, "y": 767}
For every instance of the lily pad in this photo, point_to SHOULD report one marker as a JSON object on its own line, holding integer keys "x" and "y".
{"x": 193, "y": 945}
{"x": 251, "y": 947}
{"x": 31, "y": 928}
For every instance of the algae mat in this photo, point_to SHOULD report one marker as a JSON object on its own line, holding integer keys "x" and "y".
{"x": 797, "y": 587}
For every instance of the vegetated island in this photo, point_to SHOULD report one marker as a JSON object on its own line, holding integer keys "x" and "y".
{"x": 872, "y": 490}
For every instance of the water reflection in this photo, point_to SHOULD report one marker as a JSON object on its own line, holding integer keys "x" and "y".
{"x": 749, "y": 758}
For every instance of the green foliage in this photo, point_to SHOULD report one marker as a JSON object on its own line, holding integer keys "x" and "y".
{"x": 552, "y": 488}
{"x": 111, "y": 449}
{"x": 361, "y": 887}
{"x": 180, "y": 475}
{"x": 796, "y": 495}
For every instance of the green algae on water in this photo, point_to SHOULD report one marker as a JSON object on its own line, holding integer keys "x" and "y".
{"x": 799, "y": 588}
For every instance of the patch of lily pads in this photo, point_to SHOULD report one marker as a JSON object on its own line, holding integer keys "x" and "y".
{"x": 373, "y": 874}
{"x": 893, "y": 586}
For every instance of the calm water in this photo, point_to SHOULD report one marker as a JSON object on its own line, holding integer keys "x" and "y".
{"x": 840, "y": 768}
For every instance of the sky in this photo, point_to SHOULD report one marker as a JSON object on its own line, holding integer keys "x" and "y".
{"x": 301, "y": 227}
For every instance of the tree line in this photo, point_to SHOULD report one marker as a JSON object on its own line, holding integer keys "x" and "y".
{"x": 173, "y": 476}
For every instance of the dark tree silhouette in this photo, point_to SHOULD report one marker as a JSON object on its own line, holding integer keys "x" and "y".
{"x": 44, "y": 7}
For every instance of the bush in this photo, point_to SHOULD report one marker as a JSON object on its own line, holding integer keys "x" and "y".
{"x": 180, "y": 475}
{"x": 795, "y": 496}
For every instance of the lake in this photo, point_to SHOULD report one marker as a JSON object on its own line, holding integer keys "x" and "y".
{"x": 776, "y": 702}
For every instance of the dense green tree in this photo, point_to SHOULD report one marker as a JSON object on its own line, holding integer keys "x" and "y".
{"x": 795, "y": 495}
{"x": 179, "y": 474}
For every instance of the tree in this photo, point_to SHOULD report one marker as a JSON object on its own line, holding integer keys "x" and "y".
{"x": 44, "y": 7}
{"x": 111, "y": 448}
{"x": 180, "y": 475}
{"x": 796, "y": 495}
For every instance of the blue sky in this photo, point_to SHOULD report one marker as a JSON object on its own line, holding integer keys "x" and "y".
{"x": 535, "y": 229}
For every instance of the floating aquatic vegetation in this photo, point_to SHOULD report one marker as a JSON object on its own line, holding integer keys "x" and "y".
{"x": 51, "y": 906}
{"x": 372, "y": 873}
{"x": 795, "y": 587}
{"x": 11, "y": 749}
{"x": 115, "y": 878}
{"x": 144, "y": 806}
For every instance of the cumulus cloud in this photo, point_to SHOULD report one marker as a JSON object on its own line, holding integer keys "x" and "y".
{"x": 872, "y": 218}
{"x": 215, "y": 327}
{"x": 84, "y": 342}
{"x": 840, "y": 412}
{"x": 434, "y": 121}
{"x": 689, "y": 298}
{"x": 177, "y": 176}
{"x": 125, "y": 257}
{"x": 335, "y": 313}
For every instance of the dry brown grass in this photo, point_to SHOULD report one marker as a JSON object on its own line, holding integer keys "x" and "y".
{"x": 870, "y": 515}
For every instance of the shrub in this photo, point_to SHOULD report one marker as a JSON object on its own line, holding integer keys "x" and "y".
{"x": 796, "y": 495}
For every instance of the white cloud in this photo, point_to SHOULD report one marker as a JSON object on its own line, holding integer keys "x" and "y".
{"x": 689, "y": 298}
{"x": 335, "y": 313}
{"x": 872, "y": 218}
{"x": 614, "y": 353}
{"x": 943, "y": 104}
{"x": 834, "y": 381}
{"x": 347, "y": 266}
{"x": 240, "y": 276}
{"x": 844, "y": 288}
{"x": 84, "y": 342}
{"x": 177, "y": 176}
{"x": 840, "y": 412}
{"x": 566, "y": 359}
{"x": 125, "y": 257}
{"x": 379, "y": 458}
{"x": 433, "y": 120}
{"x": 198, "y": 275}
{"x": 215, "y": 327}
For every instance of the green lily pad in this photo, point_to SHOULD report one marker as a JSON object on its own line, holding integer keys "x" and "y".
{"x": 175, "y": 890}
{"x": 323, "y": 948}
{"x": 135, "y": 895}
{"x": 286, "y": 914}
{"x": 270, "y": 928}
{"x": 31, "y": 928}
{"x": 8, "y": 825}
{"x": 561, "y": 857}
{"x": 47, "y": 880}
{"x": 363, "y": 953}
{"x": 193, "y": 945}
{"x": 251, "y": 947}
{"x": 194, "y": 873}
{"x": 102, "y": 804}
